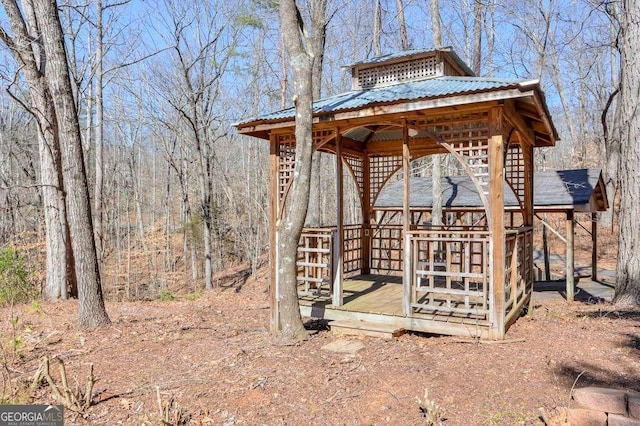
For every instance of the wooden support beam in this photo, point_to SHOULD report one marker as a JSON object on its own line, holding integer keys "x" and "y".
{"x": 406, "y": 219}
{"x": 496, "y": 223}
{"x": 569, "y": 257}
{"x": 594, "y": 246}
{"x": 338, "y": 249}
{"x": 274, "y": 319}
{"x": 550, "y": 228}
{"x": 514, "y": 117}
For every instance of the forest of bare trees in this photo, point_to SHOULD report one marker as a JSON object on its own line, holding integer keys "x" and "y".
{"x": 141, "y": 133}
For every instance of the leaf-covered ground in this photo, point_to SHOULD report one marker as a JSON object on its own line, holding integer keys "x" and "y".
{"x": 212, "y": 361}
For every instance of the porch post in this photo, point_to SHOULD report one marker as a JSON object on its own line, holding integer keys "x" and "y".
{"x": 365, "y": 234}
{"x": 527, "y": 156}
{"x": 594, "y": 246}
{"x": 496, "y": 222}
{"x": 274, "y": 320}
{"x": 406, "y": 220}
{"x": 570, "y": 251}
{"x": 338, "y": 245}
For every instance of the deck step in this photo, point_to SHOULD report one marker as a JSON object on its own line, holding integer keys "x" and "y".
{"x": 364, "y": 328}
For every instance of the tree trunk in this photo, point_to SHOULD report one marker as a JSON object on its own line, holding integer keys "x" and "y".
{"x": 99, "y": 183}
{"x": 477, "y": 37}
{"x": 628, "y": 268}
{"x": 489, "y": 29}
{"x": 92, "y": 312}
{"x": 377, "y": 28}
{"x": 436, "y": 169}
{"x": 60, "y": 281}
{"x": 404, "y": 38}
{"x": 611, "y": 136}
{"x": 56, "y": 283}
{"x": 318, "y": 39}
{"x": 290, "y": 226}
{"x": 435, "y": 24}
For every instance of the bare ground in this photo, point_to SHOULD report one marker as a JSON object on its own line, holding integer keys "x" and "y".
{"x": 214, "y": 358}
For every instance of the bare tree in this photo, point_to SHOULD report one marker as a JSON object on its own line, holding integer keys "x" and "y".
{"x": 290, "y": 226}
{"x": 202, "y": 45}
{"x": 57, "y": 280}
{"x": 404, "y": 37}
{"x": 478, "y": 12}
{"x": 52, "y": 86}
{"x": 435, "y": 23}
{"x": 437, "y": 159}
{"x": 628, "y": 119}
{"x": 98, "y": 187}
{"x": 317, "y": 40}
{"x": 377, "y": 28}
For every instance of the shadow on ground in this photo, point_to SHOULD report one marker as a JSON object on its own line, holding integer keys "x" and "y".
{"x": 623, "y": 314}
{"x": 586, "y": 374}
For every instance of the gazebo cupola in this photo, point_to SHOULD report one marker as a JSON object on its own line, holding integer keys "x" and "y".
{"x": 473, "y": 276}
{"x": 401, "y": 68}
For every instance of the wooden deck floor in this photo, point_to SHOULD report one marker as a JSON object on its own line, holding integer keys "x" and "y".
{"x": 378, "y": 298}
{"x": 374, "y": 294}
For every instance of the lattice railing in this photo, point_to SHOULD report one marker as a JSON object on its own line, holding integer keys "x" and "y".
{"x": 450, "y": 272}
{"x": 355, "y": 164}
{"x": 515, "y": 172}
{"x": 286, "y": 163}
{"x": 474, "y": 157}
{"x": 314, "y": 262}
{"x": 320, "y": 137}
{"x": 518, "y": 269}
{"x": 466, "y": 137}
{"x": 386, "y": 249}
{"x": 352, "y": 253}
{"x": 382, "y": 168}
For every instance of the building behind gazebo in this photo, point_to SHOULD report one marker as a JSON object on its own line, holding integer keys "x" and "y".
{"x": 557, "y": 192}
{"x": 471, "y": 277}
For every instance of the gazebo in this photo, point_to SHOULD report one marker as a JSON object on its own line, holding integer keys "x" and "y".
{"x": 471, "y": 277}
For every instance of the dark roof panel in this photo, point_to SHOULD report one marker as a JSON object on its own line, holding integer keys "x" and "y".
{"x": 551, "y": 188}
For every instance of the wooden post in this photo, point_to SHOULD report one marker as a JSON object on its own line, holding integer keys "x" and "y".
{"x": 570, "y": 261}
{"x": 545, "y": 250}
{"x": 366, "y": 214}
{"x": 274, "y": 323}
{"x": 406, "y": 220}
{"x": 338, "y": 241}
{"x": 496, "y": 222}
{"x": 594, "y": 246}
{"x": 527, "y": 156}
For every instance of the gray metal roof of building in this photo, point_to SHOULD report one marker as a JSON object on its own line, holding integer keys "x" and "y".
{"x": 551, "y": 188}
{"x": 407, "y": 91}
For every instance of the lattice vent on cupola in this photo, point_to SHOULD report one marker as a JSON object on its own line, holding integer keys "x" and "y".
{"x": 385, "y": 75}
{"x": 413, "y": 67}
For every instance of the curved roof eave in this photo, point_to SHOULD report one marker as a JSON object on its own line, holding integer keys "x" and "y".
{"x": 354, "y": 101}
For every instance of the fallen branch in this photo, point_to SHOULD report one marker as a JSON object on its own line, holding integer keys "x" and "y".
{"x": 171, "y": 413}
{"x": 77, "y": 400}
{"x": 488, "y": 342}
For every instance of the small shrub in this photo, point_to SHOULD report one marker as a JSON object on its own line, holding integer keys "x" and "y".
{"x": 166, "y": 296}
{"x": 192, "y": 297}
{"x": 15, "y": 286}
